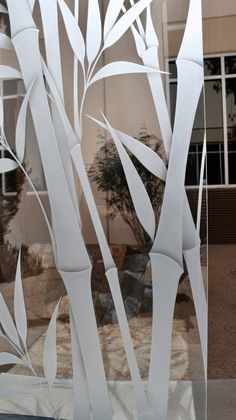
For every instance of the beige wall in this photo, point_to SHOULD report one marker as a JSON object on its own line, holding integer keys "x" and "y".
{"x": 219, "y": 36}
{"x": 177, "y": 9}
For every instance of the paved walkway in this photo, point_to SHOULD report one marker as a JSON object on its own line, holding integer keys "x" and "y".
{"x": 222, "y": 312}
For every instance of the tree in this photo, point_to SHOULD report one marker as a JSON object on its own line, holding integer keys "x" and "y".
{"x": 108, "y": 174}
{"x": 9, "y": 204}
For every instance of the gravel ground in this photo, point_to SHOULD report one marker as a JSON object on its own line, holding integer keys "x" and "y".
{"x": 186, "y": 359}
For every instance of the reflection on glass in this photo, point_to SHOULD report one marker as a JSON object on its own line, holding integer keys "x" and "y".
{"x": 230, "y": 65}
{"x": 212, "y": 66}
{"x": 231, "y": 123}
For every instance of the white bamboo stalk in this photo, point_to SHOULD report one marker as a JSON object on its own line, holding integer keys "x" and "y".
{"x": 169, "y": 238}
{"x": 143, "y": 407}
{"x": 52, "y": 46}
{"x": 71, "y": 257}
{"x": 191, "y": 238}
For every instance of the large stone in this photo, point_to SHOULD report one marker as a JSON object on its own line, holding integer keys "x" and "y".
{"x": 41, "y": 294}
{"x": 45, "y": 254}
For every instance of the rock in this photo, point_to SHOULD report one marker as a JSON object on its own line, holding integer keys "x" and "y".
{"x": 45, "y": 253}
{"x": 184, "y": 350}
{"x": 104, "y": 308}
{"x": 41, "y": 294}
{"x": 132, "y": 276}
{"x": 148, "y": 274}
{"x": 64, "y": 308}
{"x": 99, "y": 280}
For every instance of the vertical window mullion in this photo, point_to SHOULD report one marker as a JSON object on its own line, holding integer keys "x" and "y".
{"x": 225, "y": 125}
{"x": 197, "y": 163}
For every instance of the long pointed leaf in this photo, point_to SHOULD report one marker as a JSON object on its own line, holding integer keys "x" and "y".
{"x": 113, "y": 10}
{"x": 7, "y": 322}
{"x": 143, "y": 153}
{"x": 61, "y": 109}
{"x": 139, "y": 42}
{"x": 137, "y": 190}
{"x": 151, "y": 36}
{"x": 21, "y": 124}
{"x": 73, "y": 32}
{"x": 7, "y": 165}
{"x": 10, "y": 359}
{"x": 19, "y": 304}
{"x": 7, "y": 72}
{"x": 94, "y": 30}
{"x": 125, "y": 22}
{"x": 138, "y": 21}
{"x": 50, "y": 349}
{"x": 192, "y": 46}
{"x": 118, "y": 68}
{"x": 5, "y": 42}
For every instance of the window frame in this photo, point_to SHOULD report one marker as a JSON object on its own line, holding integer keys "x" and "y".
{"x": 222, "y": 77}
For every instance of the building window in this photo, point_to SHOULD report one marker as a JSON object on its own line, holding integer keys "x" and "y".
{"x": 12, "y": 93}
{"x": 220, "y": 94}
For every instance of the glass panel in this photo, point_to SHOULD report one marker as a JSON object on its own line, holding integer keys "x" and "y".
{"x": 172, "y": 70}
{"x": 215, "y": 164}
{"x": 230, "y": 65}
{"x": 231, "y": 122}
{"x": 173, "y": 93}
{"x": 212, "y": 66}
{"x": 195, "y": 150}
{"x": 194, "y": 164}
{"x": 215, "y": 137}
{"x": 214, "y": 110}
{"x": 232, "y": 162}
{"x": 13, "y": 87}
